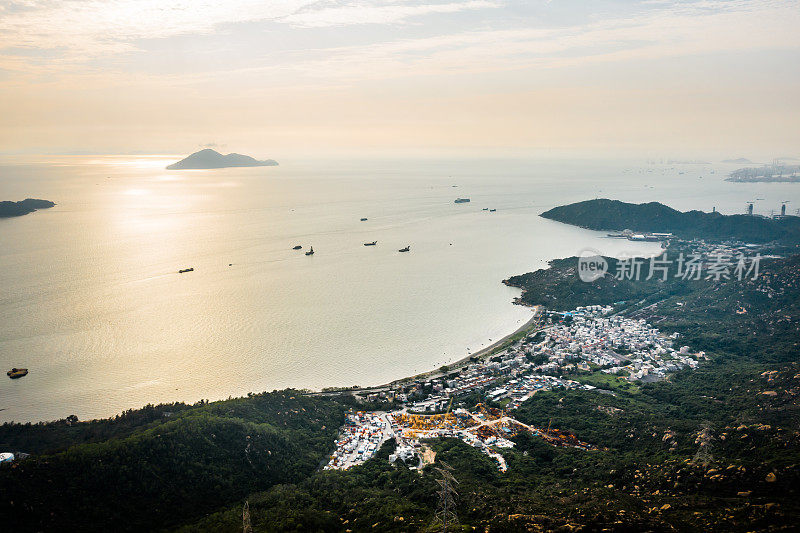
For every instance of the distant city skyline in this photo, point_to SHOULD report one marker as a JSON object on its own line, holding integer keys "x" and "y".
{"x": 293, "y": 78}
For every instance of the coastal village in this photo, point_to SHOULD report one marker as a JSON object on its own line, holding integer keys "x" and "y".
{"x": 555, "y": 354}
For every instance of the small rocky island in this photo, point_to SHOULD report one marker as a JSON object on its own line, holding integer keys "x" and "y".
{"x": 23, "y": 207}
{"x": 208, "y": 159}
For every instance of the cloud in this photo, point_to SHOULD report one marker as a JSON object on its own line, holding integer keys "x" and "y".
{"x": 679, "y": 30}
{"x": 48, "y": 36}
{"x": 94, "y": 27}
{"x": 353, "y": 13}
{"x": 692, "y": 29}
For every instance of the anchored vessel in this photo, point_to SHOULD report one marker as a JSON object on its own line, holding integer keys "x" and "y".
{"x": 310, "y": 251}
{"x": 181, "y": 271}
{"x": 373, "y": 243}
{"x": 296, "y": 247}
{"x": 406, "y": 249}
{"x": 462, "y": 200}
{"x": 16, "y": 373}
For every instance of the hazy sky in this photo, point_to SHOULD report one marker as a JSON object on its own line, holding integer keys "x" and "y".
{"x": 298, "y": 77}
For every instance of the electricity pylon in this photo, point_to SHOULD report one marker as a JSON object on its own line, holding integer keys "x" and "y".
{"x": 445, "y": 513}
{"x": 246, "y": 526}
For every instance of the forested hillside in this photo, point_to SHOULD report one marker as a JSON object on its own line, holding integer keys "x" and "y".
{"x": 604, "y": 214}
{"x": 160, "y": 467}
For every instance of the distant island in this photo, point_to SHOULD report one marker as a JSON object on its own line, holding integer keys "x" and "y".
{"x": 604, "y": 214}
{"x": 208, "y": 159}
{"x": 766, "y": 174}
{"x": 739, "y": 161}
{"x": 23, "y": 207}
{"x": 687, "y": 162}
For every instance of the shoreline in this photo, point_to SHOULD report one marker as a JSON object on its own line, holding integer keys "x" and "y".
{"x": 431, "y": 374}
{"x": 480, "y": 353}
{"x": 484, "y": 351}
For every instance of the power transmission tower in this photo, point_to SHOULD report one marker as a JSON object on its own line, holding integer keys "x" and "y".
{"x": 246, "y": 526}
{"x": 704, "y": 440}
{"x": 445, "y": 513}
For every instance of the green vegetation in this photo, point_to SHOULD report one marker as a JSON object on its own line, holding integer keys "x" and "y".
{"x": 759, "y": 319}
{"x": 606, "y": 381}
{"x": 161, "y": 472}
{"x": 715, "y": 448}
{"x": 603, "y": 214}
{"x": 646, "y": 476}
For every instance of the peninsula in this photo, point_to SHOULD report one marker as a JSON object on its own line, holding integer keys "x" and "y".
{"x": 604, "y": 214}
{"x": 208, "y": 159}
{"x": 23, "y": 207}
{"x": 766, "y": 174}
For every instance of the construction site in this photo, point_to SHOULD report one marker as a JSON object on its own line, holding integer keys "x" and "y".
{"x": 485, "y": 428}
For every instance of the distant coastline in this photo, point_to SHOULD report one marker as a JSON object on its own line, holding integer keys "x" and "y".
{"x": 23, "y": 207}
{"x": 767, "y": 174}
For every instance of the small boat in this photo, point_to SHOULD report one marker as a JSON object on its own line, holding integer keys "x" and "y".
{"x": 16, "y": 373}
{"x": 373, "y": 243}
{"x": 181, "y": 271}
{"x": 485, "y": 209}
{"x": 406, "y": 249}
{"x": 492, "y": 210}
{"x": 310, "y": 251}
{"x": 462, "y": 200}
{"x": 363, "y": 220}
{"x": 297, "y": 247}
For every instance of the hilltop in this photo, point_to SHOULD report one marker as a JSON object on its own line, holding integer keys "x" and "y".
{"x": 604, "y": 214}
{"x": 23, "y": 207}
{"x": 208, "y": 159}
